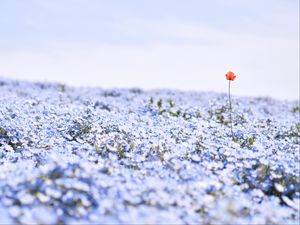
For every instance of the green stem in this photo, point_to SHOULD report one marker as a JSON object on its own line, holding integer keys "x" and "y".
{"x": 230, "y": 110}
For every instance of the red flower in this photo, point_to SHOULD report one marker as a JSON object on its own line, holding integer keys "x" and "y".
{"x": 230, "y": 76}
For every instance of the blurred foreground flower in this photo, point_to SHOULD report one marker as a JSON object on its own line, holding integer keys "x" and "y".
{"x": 231, "y": 77}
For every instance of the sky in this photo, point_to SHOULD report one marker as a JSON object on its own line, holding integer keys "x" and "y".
{"x": 185, "y": 45}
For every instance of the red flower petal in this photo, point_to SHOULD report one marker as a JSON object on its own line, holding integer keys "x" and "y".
{"x": 230, "y": 76}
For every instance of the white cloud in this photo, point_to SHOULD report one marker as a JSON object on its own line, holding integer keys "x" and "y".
{"x": 265, "y": 65}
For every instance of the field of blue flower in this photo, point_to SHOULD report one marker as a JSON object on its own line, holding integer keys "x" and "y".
{"x": 128, "y": 156}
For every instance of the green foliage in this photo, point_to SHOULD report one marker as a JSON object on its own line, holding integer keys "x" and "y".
{"x": 235, "y": 139}
{"x": 159, "y": 103}
{"x": 168, "y": 109}
{"x": 121, "y": 154}
{"x": 162, "y": 111}
{"x": 6, "y": 139}
{"x": 251, "y": 141}
{"x": 221, "y": 115}
{"x": 81, "y": 129}
{"x": 245, "y": 141}
{"x": 3, "y": 133}
{"x": 151, "y": 100}
{"x": 293, "y": 132}
{"x": 296, "y": 109}
{"x": 218, "y": 115}
{"x": 176, "y": 114}
{"x": 62, "y": 87}
{"x": 278, "y": 180}
{"x": 171, "y": 103}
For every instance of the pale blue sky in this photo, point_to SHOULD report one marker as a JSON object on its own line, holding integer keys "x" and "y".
{"x": 186, "y": 45}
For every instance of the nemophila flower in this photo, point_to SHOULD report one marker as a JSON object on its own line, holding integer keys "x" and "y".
{"x": 231, "y": 77}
